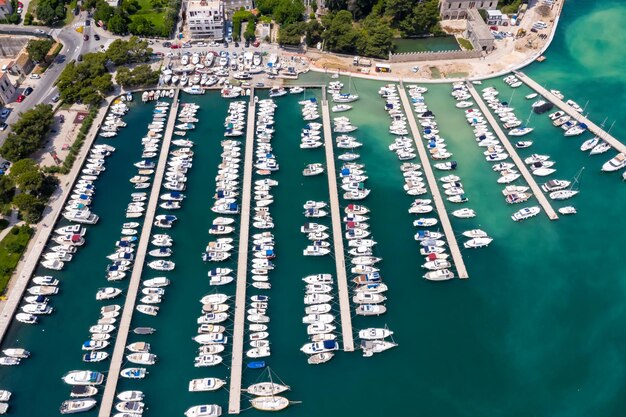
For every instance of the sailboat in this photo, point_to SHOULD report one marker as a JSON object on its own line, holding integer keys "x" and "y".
{"x": 571, "y": 191}
{"x": 267, "y": 400}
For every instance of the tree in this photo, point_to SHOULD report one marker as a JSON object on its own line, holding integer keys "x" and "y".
{"x": 141, "y": 26}
{"x": 340, "y": 36}
{"x": 266, "y": 7}
{"x": 126, "y": 52}
{"x": 28, "y": 18}
{"x": 142, "y": 75}
{"x": 28, "y": 132}
{"x": 118, "y": 24}
{"x": 21, "y": 167}
{"x": 288, "y": 11}
{"x": 45, "y": 13}
{"x": 103, "y": 11}
{"x": 7, "y": 189}
{"x": 30, "y": 207}
{"x": 424, "y": 19}
{"x": 37, "y": 49}
{"x": 377, "y": 39}
{"x": 313, "y": 32}
{"x": 290, "y": 34}
{"x": 130, "y": 6}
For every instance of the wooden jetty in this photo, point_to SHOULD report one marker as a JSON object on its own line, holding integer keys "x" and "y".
{"x": 434, "y": 188}
{"x": 236, "y": 367}
{"x": 523, "y": 169}
{"x": 117, "y": 358}
{"x": 342, "y": 279}
{"x": 592, "y": 127}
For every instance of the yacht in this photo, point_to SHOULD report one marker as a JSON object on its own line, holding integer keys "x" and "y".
{"x": 567, "y": 210}
{"x": 206, "y": 384}
{"x": 206, "y": 410}
{"x": 77, "y": 406}
{"x": 478, "y": 242}
{"x": 525, "y": 213}
{"x": 439, "y": 275}
{"x": 375, "y": 333}
{"x": 614, "y": 164}
{"x": 133, "y": 373}
{"x": 83, "y": 378}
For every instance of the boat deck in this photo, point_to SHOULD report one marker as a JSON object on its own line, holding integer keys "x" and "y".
{"x": 236, "y": 367}
{"x": 434, "y": 188}
{"x": 117, "y": 358}
{"x": 592, "y": 127}
{"x": 523, "y": 169}
{"x": 342, "y": 279}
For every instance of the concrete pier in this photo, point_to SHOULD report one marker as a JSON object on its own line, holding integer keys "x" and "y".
{"x": 117, "y": 358}
{"x": 523, "y": 169}
{"x": 434, "y": 188}
{"x": 342, "y": 279}
{"x": 592, "y": 127}
{"x": 236, "y": 367}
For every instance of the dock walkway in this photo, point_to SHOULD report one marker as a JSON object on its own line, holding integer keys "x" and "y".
{"x": 547, "y": 207}
{"x": 434, "y": 188}
{"x": 117, "y": 358}
{"x": 592, "y": 127}
{"x": 236, "y": 367}
{"x": 342, "y": 279}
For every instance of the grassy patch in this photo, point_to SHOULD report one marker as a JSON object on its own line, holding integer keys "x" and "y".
{"x": 465, "y": 44}
{"x": 434, "y": 72}
{"x": 511, "y": 8}
{"x": 156, "y": 17}
{"x": 69, "y": 15}
{"x": 32, "y": 6}
{"x": 11, "y": 249}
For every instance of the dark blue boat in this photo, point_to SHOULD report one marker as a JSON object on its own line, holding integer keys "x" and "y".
{"x": 256, "y": 365}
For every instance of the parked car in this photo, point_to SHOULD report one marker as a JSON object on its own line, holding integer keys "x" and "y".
{"x": 40, "y": 31}
{"x": 85, "y": 38}
{"x": 5, "y": 113}
{"x": 256, "y": 44}
{"x": 35, "y": 76}
{"x": 3, "y": 126}
{"x": 79, "y": 58}
{"x": 186, "y": 45}
{"x": 56, "y": 98}
{"x": 87, "y": 22}
{"x": 28, "y": 90}
{"x": 174, "y": 46}
{"x": 20, "y": 98}
{"x": 96, "y": 37}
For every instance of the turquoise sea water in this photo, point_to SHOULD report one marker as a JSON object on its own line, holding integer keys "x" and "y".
{"x": 538, "y": 329}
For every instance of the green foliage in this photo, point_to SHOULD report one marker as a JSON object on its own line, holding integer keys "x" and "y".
{"x": 103, "y": 11}
{"x": 266, "y": 7}
{"x": 134, "y": 50}
{"x": 130, "y": 6}
{"x": 141, "y": 75}
{"x": 50, "y": 12}
{"x": 86, "y": 81}
{"x": 28, "y": 133}
{"x": 238, "y": 17}
{"x": 291, "y": 34}
{"x": 340, "y": 35}
{"x": 38, "y": 48}
{"x": 509, "y": 6}
{"x": 118, "y": 24}
{"x": 465, "y": 44}
{"x": 377, "y": 38}
{"x": 250, "y": 30}
{"x": 288, "y": 11}
{"x": 424, "y": 19}
{"x": 313, "y": 32}
{"x": 28, "y": 18}
{"x": 11, "y": 249}
{"x": 30, "y": 207}
{"x": 7, "y": 189}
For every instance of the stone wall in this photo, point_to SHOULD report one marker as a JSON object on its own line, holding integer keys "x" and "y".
{"x": 433, "y": 56}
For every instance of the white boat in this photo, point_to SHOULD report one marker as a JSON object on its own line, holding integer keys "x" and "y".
{"x": 567, "y": 210}
{"x": 77, "y": 406}
{"x": 83, "y": 378}
{"x": 614, "y": 164}
{"x": 373, "y": 333}
{"x": 272, "y": 403}
{"x": 525, "y": 213}
{"x": 478, "y": 242}
{"x": 206, "y": 384}
{"x": 439, "y": 275}
{"x": 206, "y": 410}
{"x": 16, "y": 353}
{"x": 134, "y": 373}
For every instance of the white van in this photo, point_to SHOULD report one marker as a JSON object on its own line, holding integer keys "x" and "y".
{"x": 5, "y": 67}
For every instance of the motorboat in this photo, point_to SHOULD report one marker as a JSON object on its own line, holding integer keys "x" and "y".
{"x": 82, "y": 391}
{"x": 83, "y": 378}
{"x": 206, "y": 384}
{"x": 567, "y": 210}
{"x": 370, "y": 309}
{"x": 206, "y": 410}
{"x": 614, "y": 164}
{"x": 16, "y": 353}
{"x": 134, "y": 373}
{"x": 439, "y": 275}
{"x": 77, "y": 406}
{"x": 525, "y": 213}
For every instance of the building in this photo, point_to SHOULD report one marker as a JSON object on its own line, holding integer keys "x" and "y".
{"x": 23, "y": 65}
{"x": 7, "y": 89}
{"x": 458, "y": 9}
{"x": 205, "y": 19}
{"x": 231, "y": 6}
{"x": 496, "y": 18}
{"x": 478, "y": 33}
{"x": 5, "y": 9}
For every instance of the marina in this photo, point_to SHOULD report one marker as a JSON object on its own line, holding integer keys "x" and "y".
{"x": 535, "y": 272}
{"x": 133, "y": 287}
{"x": 342, "y": 280}
{"x": 459, "y": 264}
{"x": 543, "y": 201}
{"x": 236, "y": 369}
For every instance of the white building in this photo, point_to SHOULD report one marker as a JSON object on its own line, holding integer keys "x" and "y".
{"x": 7, "y": 89}
{"x": 205, "y": 19}
{"x": 458, "y": 9}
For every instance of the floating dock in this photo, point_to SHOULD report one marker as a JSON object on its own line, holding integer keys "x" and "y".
{"x": 117, "y": 358}
{"x": 547, "y": 207}
{"x": 236, "y": 367}
{"x": 434, "y": 188}
{"x": 592, "y": 127}
{"x": 340, "y": 261}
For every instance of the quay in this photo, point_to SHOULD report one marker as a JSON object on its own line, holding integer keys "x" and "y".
{"x": 342, "y": 279}
{"x": 32, "y": 254}
{"x": 547, "y": 207}
{"x": 592, "y": 127}
{"x": 434, "y": 187}
{"x": 236, "y": 367}
{"x": 117, "y": 358}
